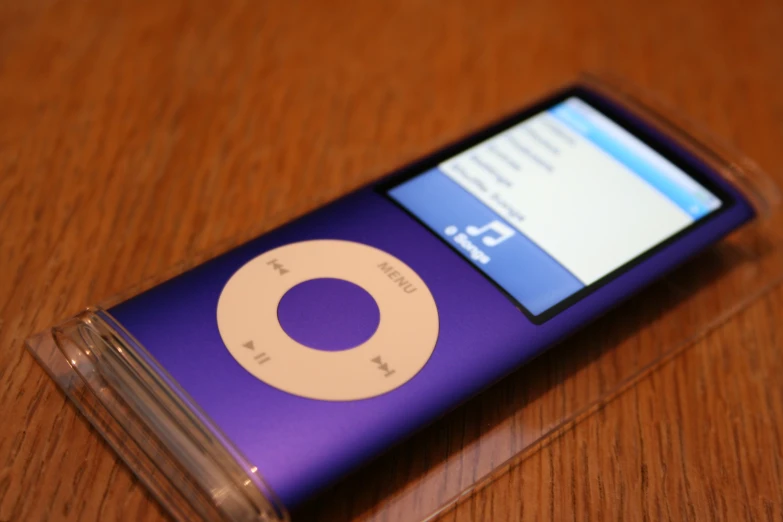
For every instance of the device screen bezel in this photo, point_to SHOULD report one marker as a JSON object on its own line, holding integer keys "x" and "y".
{"x": 652, "y": 137}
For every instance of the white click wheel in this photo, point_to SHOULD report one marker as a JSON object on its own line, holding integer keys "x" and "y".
{"x": 402, "y": 343}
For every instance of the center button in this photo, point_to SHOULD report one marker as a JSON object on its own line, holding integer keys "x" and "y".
{"x": 328, "y": 314}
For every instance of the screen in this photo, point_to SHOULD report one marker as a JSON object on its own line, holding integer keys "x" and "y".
{"x": 555, "y": 203}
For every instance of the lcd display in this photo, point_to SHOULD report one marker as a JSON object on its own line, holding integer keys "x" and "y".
{"x": 555, "y": 203}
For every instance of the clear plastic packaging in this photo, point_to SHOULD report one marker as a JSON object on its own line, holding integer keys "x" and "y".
{"x": 195, "y": 472}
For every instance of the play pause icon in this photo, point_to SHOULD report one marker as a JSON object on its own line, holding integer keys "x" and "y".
{"x": 260, "y": 357}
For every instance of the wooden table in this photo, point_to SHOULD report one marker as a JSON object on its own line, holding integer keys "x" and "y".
{"x": 135, "y": 135}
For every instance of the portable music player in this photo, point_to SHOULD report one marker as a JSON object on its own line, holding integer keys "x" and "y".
{"x": 314, "y": 348}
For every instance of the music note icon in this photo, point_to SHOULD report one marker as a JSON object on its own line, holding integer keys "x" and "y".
{"x": 502, "y": 230}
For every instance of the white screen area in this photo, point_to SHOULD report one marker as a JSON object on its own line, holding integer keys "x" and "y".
{"x": 582, "y": 188}
{"x": 555, "y": 203}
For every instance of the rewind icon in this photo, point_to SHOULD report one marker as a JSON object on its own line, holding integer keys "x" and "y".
{"x": 277, "y": 266}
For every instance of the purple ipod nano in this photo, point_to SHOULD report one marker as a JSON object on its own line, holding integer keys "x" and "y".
{"x": 324, "y": 342}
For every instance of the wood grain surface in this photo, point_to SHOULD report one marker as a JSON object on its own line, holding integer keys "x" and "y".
{"x": 136, "y": 135}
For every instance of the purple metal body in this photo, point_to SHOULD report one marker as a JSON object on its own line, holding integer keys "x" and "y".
{"x": 300, "y": 445}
